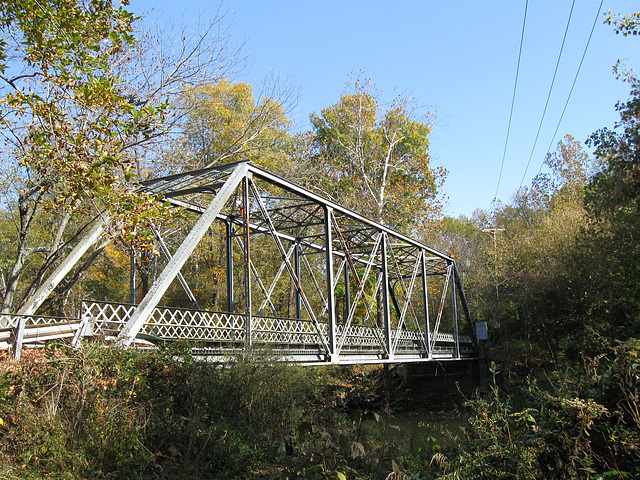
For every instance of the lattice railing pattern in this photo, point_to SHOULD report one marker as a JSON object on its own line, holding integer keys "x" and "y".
{"x": 286, "y": 331}
{"x": 174, "y": 324}
{"x": 410, "y": 341}
{"x": 168, "y": 323}
{"x": 361, "y": 337}
{"x": 107, "y": 318}
{"x": 449, "y": 338}
{"x": 226, "y": 328}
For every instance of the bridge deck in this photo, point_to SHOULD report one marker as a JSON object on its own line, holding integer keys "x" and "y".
{"x": 219, "y": 336}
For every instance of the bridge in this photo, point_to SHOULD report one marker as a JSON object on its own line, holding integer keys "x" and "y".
{"x": 301, "y": 277}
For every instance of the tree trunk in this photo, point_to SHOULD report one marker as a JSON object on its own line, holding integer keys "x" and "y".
{"x": 26, "y": 216}
{"x": 143, "y": 267}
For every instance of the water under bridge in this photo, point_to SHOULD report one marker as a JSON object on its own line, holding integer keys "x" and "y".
{"x": 302, "y": 277}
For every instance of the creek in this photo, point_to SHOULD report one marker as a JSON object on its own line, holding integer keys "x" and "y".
{"x": 428, "y": 407}
{"x": 408, "y": 429}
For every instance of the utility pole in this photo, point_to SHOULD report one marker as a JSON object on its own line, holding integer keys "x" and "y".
{"x": 495, "y": 253}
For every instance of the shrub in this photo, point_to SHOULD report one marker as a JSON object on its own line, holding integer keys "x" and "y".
{"x": 103, "y": 411}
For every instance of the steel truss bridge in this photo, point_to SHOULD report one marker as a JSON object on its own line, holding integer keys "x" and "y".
{"x": 306, "y": 279}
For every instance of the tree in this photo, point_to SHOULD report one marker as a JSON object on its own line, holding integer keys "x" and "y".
{"x": 570, "y": 170}
{"x": 520, "y": 273}
{"x": 226, "y": 123}
{"x": 75, "y": 116}
{"x": 64, "y": 117}
{"x": 610, "y": 248}
{"x": 570, "y": 251}
{"x": 607, "y": 258}
{"x": 168, "y": 60}
{"x": 624, "y": 24}
{"x": 376, "y": 161}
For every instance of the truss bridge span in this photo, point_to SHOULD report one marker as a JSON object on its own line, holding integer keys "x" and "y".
{"x": 262, "y": 263}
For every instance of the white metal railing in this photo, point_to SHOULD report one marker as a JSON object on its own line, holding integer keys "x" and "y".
{"x": 225, "y": 330}
{"x": 228, "y": 329}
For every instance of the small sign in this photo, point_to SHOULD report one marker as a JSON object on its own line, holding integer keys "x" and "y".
{"x": 482, "y": 333}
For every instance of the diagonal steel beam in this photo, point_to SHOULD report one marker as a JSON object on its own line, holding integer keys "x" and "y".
{"x": 361, "y": 283}
{"x": 54, "y": 280}
{"x": 361, "y": 286}
{"x": 160, "y": 286}
{"x": 267, "y": 294}
{"x": 331, "y": 299}
{"x": 443, "y": 299}
{"x": 183, "y": 282}
{"x": 407, "y": 295}
{"x": 289, "y": 267}
{"x": 275, "y": 281}
{"x": 336, "y": 278}
{"x": 314, "y": 280}
{"x": 407, "y": 303}
{"x": 65, "y": 267}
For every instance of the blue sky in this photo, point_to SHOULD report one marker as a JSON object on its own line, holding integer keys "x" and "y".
{"x": 458, "y": 58}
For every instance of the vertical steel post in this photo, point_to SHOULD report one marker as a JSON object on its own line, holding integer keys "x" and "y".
{"x": 296, "y": 267}
{"x": 454, "y": 312}
{"x": 229, "y": 243}
{"x": 465, "y": 306}
{"x": 331, "y": 301}
{"x": 247, "y": 260}
{"x": 386, "y": 311}
{"x": 425, "y": 305}
{"x": 347, "y": 293}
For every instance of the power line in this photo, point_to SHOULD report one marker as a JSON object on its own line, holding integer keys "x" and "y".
{"x": 566, "y": 29}
{"x": 513, "y": 99}
{"x": 584, "y": 53}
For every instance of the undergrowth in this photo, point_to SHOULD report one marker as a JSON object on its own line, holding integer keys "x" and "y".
{"x": 109, "y": 413}
{"x": 576, "y": 423}
{"x": 104, "y": 412}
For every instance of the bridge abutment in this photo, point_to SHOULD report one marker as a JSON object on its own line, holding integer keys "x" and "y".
{"x": 469, "y": 373}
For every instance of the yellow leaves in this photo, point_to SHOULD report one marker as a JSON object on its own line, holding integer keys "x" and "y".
{"x": 377, "y": 159}
{"x": 116, "y": 255}
{"x": 226, "y": 124}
